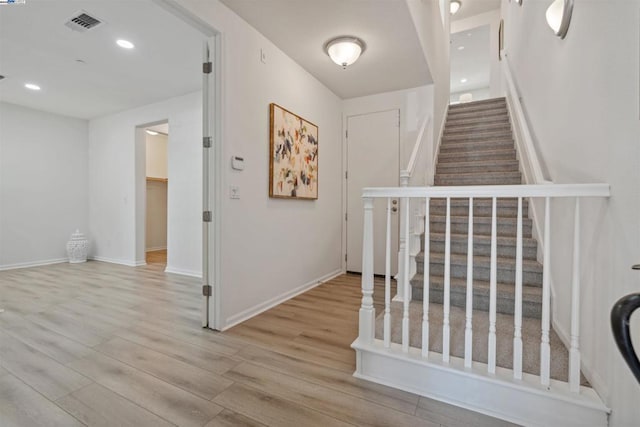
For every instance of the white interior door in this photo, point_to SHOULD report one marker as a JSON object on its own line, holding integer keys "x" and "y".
{"x": 373, "y": 160}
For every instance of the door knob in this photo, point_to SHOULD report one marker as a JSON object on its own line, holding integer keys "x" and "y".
{"x": 395, "y": 202}
{"x": 394, "y": 209}
{"x": 635, "y": 267}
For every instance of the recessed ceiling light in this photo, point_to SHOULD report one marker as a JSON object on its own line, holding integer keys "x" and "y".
{"x": 126, "y": 44}
{"x": 463, "y": 80}
{"x": 151, "y": 132}
{"x": 32, "y": 86}
{"x": 460, "y": 47}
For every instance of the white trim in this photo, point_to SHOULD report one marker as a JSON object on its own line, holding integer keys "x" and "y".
{"x": 33, "y": 264}
{"x": 189, "y": 273}
{"x": 266, "y": 305}
{"x": 118, "y": 261}
{"x": 157, "y": 248}
{"x": 544, "y": 190}
{"x": 499, "y": 395}
{"x": 416, "y": 147}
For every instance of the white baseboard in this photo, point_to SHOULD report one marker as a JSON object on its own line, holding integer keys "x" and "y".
{"x": 157, "y": 248}
{"x": 118, "y": 261}
{"x": 33, "y": 264}
{"x": 189, "y": 273}
{"x": 264, "y": 306}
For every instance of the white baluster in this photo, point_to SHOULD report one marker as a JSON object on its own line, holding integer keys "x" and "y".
{"x": 517, "y": 317}
{"x": 447, "y": 285}
{"x": 367, "y": 311}
{"x": 574, "y": 353}
{"x": 425, "y": 282}
{"x": 468, "y": 330}
{"x": 545, "y": 349}
{"x": 492, "y": 290}
{"x": 387, "y": 281}
{"x": 405, "y": 279}
{"x": 403, "y": 242}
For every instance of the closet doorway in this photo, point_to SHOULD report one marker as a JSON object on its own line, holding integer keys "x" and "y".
{"x": 157, "y": 184}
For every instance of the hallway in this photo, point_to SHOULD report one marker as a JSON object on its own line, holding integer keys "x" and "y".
{"x": 101, "y": 344}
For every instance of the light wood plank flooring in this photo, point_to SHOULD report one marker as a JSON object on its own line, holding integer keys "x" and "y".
{"x": 104, "y": 345}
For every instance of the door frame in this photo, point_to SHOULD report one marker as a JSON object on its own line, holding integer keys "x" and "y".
{"x": 345, "y": 162}
{"x": 211, "y": 313}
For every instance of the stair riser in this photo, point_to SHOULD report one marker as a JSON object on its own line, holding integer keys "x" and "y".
{"x": 476, "y": 147}
{"x": 477, "y": 181}
{"x": 477, "y": 137}
{"x": 471, "y": 156}
{"x": 453, "y": 130}
{"x": 484, "y": 249}
{"x": 481, "y": 211}
{"x": 470, "y": 121}
{"x": 462, "y": 108}
{"x": 481, "y": 272}
{"x": 503, "y": 229}
{"x": 497, "y": 167}
{"x": 478, "y": 114}
{"x": 457, "y": 298}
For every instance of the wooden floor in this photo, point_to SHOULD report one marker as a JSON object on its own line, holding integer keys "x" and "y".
{"x": 158, "y": 258}
{"x": 101, "y": 344}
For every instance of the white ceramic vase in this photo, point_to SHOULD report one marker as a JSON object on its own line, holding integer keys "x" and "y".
{"x": 77, "y": 248}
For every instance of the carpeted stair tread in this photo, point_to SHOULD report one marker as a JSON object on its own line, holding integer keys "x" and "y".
{"x": 505, "y": 165}
{"x": 497, "y": 117}
{"x": 505, "y": 246}
{"x": 477, "y": 145}
{"x": 474, "y": 114}
{"x": 482, "y": 261}
{"x": 471, "y": 155}
{"x": 512, "y": 179}
{"x": 451, "y": 130}
{"x": 477, "y": 136}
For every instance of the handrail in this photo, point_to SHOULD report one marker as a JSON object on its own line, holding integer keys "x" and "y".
{"x": 527, "y": 145}
{"x": 416, "y": 147}
{"x": 476, "y": 191}
{"x": 620, "y": 315}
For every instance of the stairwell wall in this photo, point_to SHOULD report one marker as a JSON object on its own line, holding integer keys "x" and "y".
{"x": 581, "y": 98}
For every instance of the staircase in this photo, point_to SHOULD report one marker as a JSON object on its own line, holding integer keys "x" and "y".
{"x": 478, "y": 149}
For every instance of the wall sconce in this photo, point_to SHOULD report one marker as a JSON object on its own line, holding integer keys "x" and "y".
{"x": 559, "y": 16}
{"x": 344, "y": 51}
{"x": 454, "y": 6}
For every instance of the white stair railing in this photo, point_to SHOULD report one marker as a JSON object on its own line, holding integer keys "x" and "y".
{"x": 424, "y": 195}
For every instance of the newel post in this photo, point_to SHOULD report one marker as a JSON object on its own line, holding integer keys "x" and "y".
{"x": 402, "y": 241}
{"x": 367, "y": 311}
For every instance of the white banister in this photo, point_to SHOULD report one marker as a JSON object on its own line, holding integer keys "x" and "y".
{"x": 493, "y": 289}
{"x": 405, "y": 280}
{"x": 478, "y": 191}
{"x": 387, "y": 280}
{"x": 367, "y": 310}
{"x": 468, "y": 330}
{"x": 447, "y": 285}
{"x": 416, "y": 147}
{"x": 403, "y": 241}
{"x": 545, "y": 347}
{"x": 425, "y": 280}
{"x": 517, "y": 315}
{"x": 574, "y": 352}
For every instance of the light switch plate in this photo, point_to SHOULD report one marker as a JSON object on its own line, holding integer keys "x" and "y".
{"x": 234, "y": 192}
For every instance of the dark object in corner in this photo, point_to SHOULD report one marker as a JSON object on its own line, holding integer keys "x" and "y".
{"x": 620, "y": 315}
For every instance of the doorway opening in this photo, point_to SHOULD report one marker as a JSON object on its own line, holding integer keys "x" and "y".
{"x": 157, "y": 185}
{"x": 471, "y": 65}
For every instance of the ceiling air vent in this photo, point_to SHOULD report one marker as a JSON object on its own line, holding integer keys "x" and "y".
{"x": 82, "y": 21}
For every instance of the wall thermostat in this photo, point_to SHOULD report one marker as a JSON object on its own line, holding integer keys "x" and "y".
{"x": 237, "y": 163}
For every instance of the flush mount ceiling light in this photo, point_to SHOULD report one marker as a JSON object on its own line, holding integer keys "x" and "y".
{"x": 344, "y": 51}
{"x": 559, "y": 16}
{"x": 125, "y": 44}
{"x": 463, "y": 80}
{"x": 32, "y": 86}
{"x": 454, "y": 6}
{"x": 151, "y": 132}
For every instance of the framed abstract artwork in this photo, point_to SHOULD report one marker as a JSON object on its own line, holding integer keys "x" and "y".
{"x": 293, "y": 155}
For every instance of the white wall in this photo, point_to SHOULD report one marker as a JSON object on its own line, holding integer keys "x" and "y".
{"x": 493, "y": 20}
{"x": 156, "y": 150}
{"x": 478, "y": 94}
{"x": 271, "y": 248}
{"x": 117, "y": 183}
{"x": 434, "y": 38}
{"x": 581, "y": 98}
{"x": 43, "y": 185}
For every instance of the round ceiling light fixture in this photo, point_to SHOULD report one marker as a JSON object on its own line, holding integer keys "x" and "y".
{"x": 454, "y": 6}
{"x": 125, "y": 44}
{"x": 345, "y": 50}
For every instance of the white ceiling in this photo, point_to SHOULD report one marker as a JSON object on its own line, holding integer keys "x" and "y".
{"x": 392, "y": 61}
{"x": 471, "y": 63}
{"x": 35, "y": 46}
{"x": 475, "y": 7}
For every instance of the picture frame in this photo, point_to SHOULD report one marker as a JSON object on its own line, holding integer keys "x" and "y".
{"x": 293, "y": 155}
